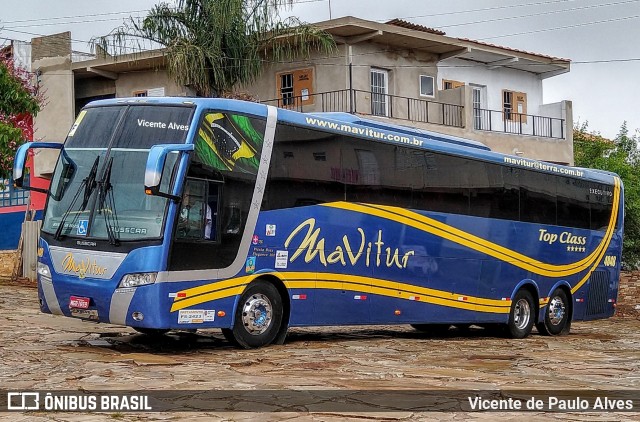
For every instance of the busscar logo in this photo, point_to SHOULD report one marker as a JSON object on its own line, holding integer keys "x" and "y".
{"x": 23, "y": 401}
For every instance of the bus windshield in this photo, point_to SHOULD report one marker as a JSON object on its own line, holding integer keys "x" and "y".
{"x": 97, "y": 190}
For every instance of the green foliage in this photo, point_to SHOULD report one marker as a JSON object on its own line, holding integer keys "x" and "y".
{"x": 212, "y": 45}
{"x": 18, "y": 98}
{"x": 620, "y": 156}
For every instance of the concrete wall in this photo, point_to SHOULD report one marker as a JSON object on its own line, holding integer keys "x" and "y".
{"x": 128, "y": 83}
{"x": 495, "y": 80}
{"x": 51, "y": 60}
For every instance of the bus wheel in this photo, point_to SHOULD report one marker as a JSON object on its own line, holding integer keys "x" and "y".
{"x": 433, "y": 329}
{"x": 556, "y": 318}
{"x": 258, "y": 316}
{"x": 522, "y": 315}
{"x": 152, "y": 331}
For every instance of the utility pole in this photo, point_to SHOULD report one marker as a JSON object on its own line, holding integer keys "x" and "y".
{"x": 329, "y": 9}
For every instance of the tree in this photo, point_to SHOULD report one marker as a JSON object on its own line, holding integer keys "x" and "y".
{"x": 18, "y": 100}
{"x": 620, "y": 156}
{"x": 212, "y": 45}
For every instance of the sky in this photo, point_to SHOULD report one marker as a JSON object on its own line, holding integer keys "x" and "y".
{"x": 600, "y": 37}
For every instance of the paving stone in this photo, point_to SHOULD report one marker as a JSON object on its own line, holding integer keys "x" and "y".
{"x": 40, "y": 351}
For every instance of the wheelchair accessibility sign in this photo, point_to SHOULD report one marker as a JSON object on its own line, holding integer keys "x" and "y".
{"x": 82, "y": 227}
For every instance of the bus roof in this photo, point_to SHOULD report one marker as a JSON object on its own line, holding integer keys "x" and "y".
{"x": 352, "y": 118}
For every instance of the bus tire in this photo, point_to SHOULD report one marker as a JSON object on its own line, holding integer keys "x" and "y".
{"x": 152, "y": 331}
{"x": 258, "y": 315}
{"x": 522, "y": 315}
{"x": 556, "y": 316}
{"x": 432, "y": 329}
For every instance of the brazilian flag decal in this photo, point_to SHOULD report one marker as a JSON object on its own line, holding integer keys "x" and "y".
{"x": 229, "y": 142}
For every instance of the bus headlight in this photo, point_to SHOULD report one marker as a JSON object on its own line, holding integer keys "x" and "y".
{"x": 138, "y": 279}
{"x": 43, "y": 270}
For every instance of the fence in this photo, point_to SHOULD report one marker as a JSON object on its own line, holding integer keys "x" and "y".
{"x": 518, "y": 123}
{"x": 423, "y": 111}
{"x": 375, "y": 104}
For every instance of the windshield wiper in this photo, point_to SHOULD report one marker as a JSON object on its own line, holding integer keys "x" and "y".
{"x": 105, "y": 194}
{"x": 89, "y": 184}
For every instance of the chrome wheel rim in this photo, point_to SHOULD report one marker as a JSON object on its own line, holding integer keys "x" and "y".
{"x": 521, "y": 314}
{"x": 557, "y": 310}
{"x": 257, "y": 314}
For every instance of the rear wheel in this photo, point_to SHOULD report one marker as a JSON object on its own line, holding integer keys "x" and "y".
{"x": 556, "y": 317}
{"x": 522, "y": 315}
{"x": 258, "y": 315}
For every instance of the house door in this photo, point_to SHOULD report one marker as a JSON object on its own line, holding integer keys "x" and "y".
{"x": 477, "y": 108}
{"x": 379, "y": 92}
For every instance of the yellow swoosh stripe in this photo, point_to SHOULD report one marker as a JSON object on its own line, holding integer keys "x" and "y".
{"x": 331, "y": 281}
{"x": 487, "y": 247}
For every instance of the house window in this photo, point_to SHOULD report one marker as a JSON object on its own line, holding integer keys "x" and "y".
{"x": 449, "y": 84}
{"x": 379, "y": 92}
{"x": 286, "y": 89}
{"x": 426, "y": 86}
{"x": 151, "y": 92}
{"x": 514, "y": 106}
{"x": 295, "y": 88}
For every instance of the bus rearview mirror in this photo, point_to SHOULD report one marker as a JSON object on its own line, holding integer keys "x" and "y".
{"x": 155, "y": 167}
{"x": 21, "y": 159}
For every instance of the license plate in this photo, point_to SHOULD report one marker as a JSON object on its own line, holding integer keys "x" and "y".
{"x": 78, "y": 302}
{"x": 91, "y": 314}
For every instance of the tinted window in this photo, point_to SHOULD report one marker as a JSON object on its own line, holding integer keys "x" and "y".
{"x": 310, "y": 167}
{"x": 495, "y": 191}
{"x": 306, "y": 169}
{"x": 537, "y": 197}
{"x": 573, "y": 202}
{"x": 140, "y": 126}
{"x": 600, "y": 201}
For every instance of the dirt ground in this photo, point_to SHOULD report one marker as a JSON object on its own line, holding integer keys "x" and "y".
{"x": 44, "y": 352}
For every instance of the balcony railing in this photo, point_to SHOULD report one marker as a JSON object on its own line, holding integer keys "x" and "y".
{"x": 518, "y": 123}
{"x": 423, "y": 111}
{"x": 376, "y": 104}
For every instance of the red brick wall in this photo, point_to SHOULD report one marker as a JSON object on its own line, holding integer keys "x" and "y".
{"x": 629, "y": 291}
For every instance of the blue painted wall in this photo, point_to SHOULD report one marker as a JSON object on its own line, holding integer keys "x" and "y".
{"x": 10, "y": 226}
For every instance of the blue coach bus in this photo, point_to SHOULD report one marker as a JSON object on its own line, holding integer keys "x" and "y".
{"x": 179, "y": 213}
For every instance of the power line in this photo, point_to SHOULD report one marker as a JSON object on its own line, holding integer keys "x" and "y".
{"x": 75, "y": 16}
{"x": 537, "y": 14}
{"x": 562, "y": 27}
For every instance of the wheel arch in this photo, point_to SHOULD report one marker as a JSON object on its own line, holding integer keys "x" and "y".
{"x": 286, "y": 303}
{"x": 532, "y": 287}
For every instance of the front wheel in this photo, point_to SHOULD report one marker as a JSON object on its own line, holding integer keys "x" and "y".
{"x": 258, "y": 315}
{"x": 556, "y": 317}
{"x": 521, "y": 316}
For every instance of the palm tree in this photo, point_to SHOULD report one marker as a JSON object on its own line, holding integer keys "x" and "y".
{"x": 212, "y": 45}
